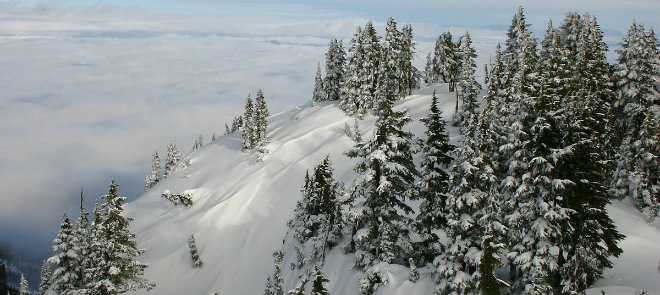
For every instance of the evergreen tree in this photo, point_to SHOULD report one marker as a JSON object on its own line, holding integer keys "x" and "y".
{"x": 173, "y": 156}
{"x": 65, "y": 259}
{"x": 81, "y": 245}
{"x": 490, "y": 259}
{"x": 391, "y": 56}
{"x": 197, "y": 144}
{"x": 474, "y": 209}
{"x": 468, "y": 86}
{"x": 236, "y": 124}
{"x": 637, "y": 76}
{"x": 518, "y": 32}
{"x": 300, "y": 290}
{"x": 433, "y": 187}
{"x": 45, "y": 278}
{"x": 335, "y": 63}
{"x": 414, "y": 274}
{"x": 115, "y": 269}
{"x": 155, "y": 176}
{"x": 512, "y": 147}
{"x": 387, "y": 174}
{"x": 317, "y": 284}
{"x": 430, "y": 75}
{"x": 24, "y": 289}
{"x": 316, "y": 217}
{"x": 194, "y": 253}
{"x": 590, "y": 237}
{"x": 319, "y": 91}
{"x": 350, "y": 89}
{"x": 249, "y": 127}
{"x": 274, "y": 285}
{"x": 537, "y": 223}
{"x": 260, "y": 123}
{"x": 357, "y": 135}
{"x": 447, "y": 60}
{"x": 409, "y": 75}
{"x": 362, "y": 76}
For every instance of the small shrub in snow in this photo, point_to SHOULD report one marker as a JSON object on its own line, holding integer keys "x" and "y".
{"x": 184, "y": 199}
{"x": 414, "y": 274}
{"x": 347, "y": 130}
{"x": 194, "y": 253}
{"x": 357, "y": 135}
{"x": 300, "y": 290}
{"x": 372, "y": 279}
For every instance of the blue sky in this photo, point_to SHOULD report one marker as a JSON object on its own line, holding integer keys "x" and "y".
{"x": 90, "y": 89}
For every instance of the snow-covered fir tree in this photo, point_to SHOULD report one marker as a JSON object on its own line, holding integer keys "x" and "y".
{"x": 413, "y": 276}
{"x": 409, "y": 75}
{"x": 155, "y": 176}
{"x": 24, "y": 288}
{"x": 317, "y": 218}
{"x": 81, "y": 245}
{"x": 173, "y": 156}
{"x": 194, "y": 253}
{"x": 274, "y": 283}
{"x": 197, "y": 144}
{"x": 489, "y": 284}
{"x": 319, "y": 91}
{"x": 518, "y": 30}
{"x": 260, "y": 122}
{"x": 317, "y": 285}
{"x": 537, "y": 223}
{"x": 444, "y": 62}
{"x": 473, "y": 210}
{"x": 45, "y": 278}
{"x": 467, "y": 84}
{"x": 115, "y": 268}
{"x": 361, "y": 80}
{"x": 512, "y": 101}
{"x": 65, "y": 259}
{"x": 335, "y": 66}
{"x": 357, "y": 134}
{"x": 300, "y": 290}
{"x": 249, "y": 128}
{"x": 236, "y": 125}
{"x": 381, "y": 225}
{"x": 585, "y": 250}
{"x": 391, "y": 55}
{"x": 350, "y": 88}
{"x": 433, "y": 187}
{"x": 637, "y": 78}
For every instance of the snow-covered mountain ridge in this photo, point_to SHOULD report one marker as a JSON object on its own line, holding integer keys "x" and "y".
{"x": 241, "y": 208}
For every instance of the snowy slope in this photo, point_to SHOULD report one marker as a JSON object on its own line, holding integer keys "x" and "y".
{"x": 241, "y": 209}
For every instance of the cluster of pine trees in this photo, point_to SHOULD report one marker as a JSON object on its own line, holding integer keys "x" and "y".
{"x": 173, "y": 157}
{"x": 254, "y": 123}
{"x": 97, "y": 256}
{"x": 562, "y": 133}
{"x": 358, "y": 81}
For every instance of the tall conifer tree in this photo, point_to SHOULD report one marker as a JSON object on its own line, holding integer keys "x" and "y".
{"x": 434, "y": 183}
{"x": 335, "y": 63}
{"x": 319, "y": 91}
{"x": 115, "y": 267}
{"x": 249, "y": 140}
{"x": 387, "y": 174}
